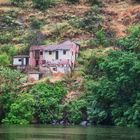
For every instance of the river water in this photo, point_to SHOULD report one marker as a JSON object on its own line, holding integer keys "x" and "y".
{"x": 39, "y": 132}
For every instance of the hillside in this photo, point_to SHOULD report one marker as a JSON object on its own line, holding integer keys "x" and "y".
{"x": 117, "y": 15}
{"x": 104, "y": 86}
{"x": 57, "y": 24}
{"x": 121, "y": 15}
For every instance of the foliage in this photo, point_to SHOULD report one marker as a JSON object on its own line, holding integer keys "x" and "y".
{"x": 132, "y": 41}
{"x": 47, "y": 101}
{"x": 36, "y": 24}
{"x": 8, "y": 49}
{"x": 117, "y": 91}
{"x": 5, "y": 38}
{"x": 95, "y": 2}
{"x": 91, "y": 22}
{"x": 18, "y": 2}
{"x": 6, "y": 53}
{"x": 9, "y": 80}
{"x": 92, "y": 66}
{"x": 34, "y": 38}
{"x": 43, "y": 4}
{"x": 21, "y": 111}
{"x": 100, "y": 39}
{"x": 75, "y": 111}
{"x": 113, "y": 91}
{"x": 4, "y": 59}
{"x": 8, "y": 19}
{"x": 73, "y": 1}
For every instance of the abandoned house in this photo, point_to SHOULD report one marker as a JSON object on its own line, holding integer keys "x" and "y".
{"x": 48, "y": 60}
{"x": 54, "y": 58}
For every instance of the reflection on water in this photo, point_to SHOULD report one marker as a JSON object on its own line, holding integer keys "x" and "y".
{"x": 38, "y": 132}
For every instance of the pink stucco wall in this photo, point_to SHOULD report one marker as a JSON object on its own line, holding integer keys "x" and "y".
{"x": 31, "y": 59}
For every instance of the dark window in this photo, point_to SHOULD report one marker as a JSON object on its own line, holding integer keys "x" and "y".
{"x": 41, "y": 53}
{"x": 20, "y": 60}
{"x": 64, "y": 52}
{"x": 54, "y": 69}
{"x": 43, "y": 61}
{"x": 50, "y": 52}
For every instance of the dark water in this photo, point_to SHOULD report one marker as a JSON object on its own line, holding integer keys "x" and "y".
{"x": 67, "y": 133}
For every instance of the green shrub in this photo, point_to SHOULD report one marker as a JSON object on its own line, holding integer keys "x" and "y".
{"x": 73, "y": 1}
{"x": 9, "y": 49}
{"x": 43, "y": 4}
{"x": 75, "y": 111}
{"x": 101, "y": 39}
{"x": 36, "y": 24}
{"x": 21, "y": 111}
{"x": 5, "y": 38}
{"x": 95, "y": 2}
{"x": 47, "y": 101}
{"x": 132, "y": 41}
{"x": 9, "y": 81}
{"x": 17, "y": 2}
{"x": 4, "y": 59}
{"x": 91, "y": 22}
{"x": 8, "y": 19}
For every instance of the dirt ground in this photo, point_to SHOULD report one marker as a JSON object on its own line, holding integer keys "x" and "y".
{"x": 121, "y": 15}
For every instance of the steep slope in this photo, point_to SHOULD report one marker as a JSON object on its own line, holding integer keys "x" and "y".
{"x": 120, "y": 15}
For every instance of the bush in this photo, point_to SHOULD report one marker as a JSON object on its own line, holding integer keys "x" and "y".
{"x": 9, "y": 81}
{"x": 8, "y": 49}
{"x": 47, "y": 101}
{"x": 91, "y": 22}
{"x": 17, "y": 2}
{"x": 43, "y": 4}
{"x": 36, "y": 24}
{"x": 5, "y": 38}
{"x": 73, "y": 1}
{"x": 8, "y": 19}
{"x": 4, "y": 59}
{"x": 95, "y": 2}
{"x": 21, "y": 111}
{"x": 131, "y": 42}
{"x": 75, "y": 111}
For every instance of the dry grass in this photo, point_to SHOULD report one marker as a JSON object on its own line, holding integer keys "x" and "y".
{"x": 124, "y": 12}
{"x": 4, "y": 1}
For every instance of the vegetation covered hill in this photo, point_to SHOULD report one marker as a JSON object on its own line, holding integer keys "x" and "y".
{"x": 105, "y": 86}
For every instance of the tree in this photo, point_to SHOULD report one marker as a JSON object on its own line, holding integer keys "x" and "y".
{"x": 114, "y": 98}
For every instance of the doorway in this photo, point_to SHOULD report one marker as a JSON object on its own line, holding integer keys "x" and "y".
{"x": 57, "y": 55}
{"x": 36, "y": 63}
